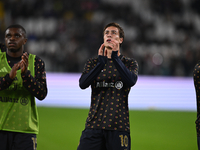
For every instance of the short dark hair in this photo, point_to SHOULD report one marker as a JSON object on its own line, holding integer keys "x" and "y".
{"x": 17, "y": 26}
{"x": 121, "y": 31}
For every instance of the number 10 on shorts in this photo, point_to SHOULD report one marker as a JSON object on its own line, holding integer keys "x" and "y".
{"x": 124, "y": 140}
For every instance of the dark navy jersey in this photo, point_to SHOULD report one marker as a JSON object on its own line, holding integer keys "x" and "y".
{"x": 111, "y": 81}
{"x": 196, "y": 77}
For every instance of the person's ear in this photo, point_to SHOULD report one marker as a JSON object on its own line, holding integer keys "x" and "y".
{"x": 25, "y": 40}
{"x": 120, "y": 40}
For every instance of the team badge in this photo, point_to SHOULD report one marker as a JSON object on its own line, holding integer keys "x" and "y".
{"x": 119, "y": 85}
{"x": 24, "y": 101}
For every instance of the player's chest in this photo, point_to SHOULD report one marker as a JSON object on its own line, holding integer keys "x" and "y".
{"x": 109, "y": 72}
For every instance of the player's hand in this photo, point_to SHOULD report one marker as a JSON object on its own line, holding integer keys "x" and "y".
{"x": 101, "y": 50}
{"x": 24, "y": 63}
{"x": 13, "y": 71}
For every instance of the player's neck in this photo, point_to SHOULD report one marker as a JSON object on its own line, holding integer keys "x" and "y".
{"x": 109, "y": 53}
{"x": 14, "y": 54}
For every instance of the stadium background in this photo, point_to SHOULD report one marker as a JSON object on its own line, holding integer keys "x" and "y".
{"x": 162, "y": 35}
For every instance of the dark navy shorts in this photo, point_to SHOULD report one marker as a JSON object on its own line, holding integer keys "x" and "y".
{"x": 17, "y": 141}
{"x": 97, "y": 139}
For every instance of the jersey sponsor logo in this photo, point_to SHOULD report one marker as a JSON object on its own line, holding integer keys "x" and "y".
{"x": 24, "y": 101}
{"x": 9, "y": 99}
{"x": 104, "y": 84}
{"x": 117, "y": 85}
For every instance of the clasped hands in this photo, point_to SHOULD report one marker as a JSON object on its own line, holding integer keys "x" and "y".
{"x": 23, "y": 65}
{"x": 113, "y": 45}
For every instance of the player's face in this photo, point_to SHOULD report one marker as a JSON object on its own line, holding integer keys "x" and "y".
{"x": 111, "y": 33}
{"x": 14, "y": 39}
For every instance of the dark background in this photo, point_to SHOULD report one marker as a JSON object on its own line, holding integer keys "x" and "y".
{"x": 162, "y": 35}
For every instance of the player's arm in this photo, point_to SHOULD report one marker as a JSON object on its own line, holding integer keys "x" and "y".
{"x": 129, "y": 74}
{"x": 92, "y": 69}
{"x": 36, "y": 85}
{"x": 90, "y": 73}
{"x": 196, "y": 74}
{"x": 7, "y": 80}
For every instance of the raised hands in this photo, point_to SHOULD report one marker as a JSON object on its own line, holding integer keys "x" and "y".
{"x": 112, "y": 44}
{"x": 102, "y": 52}
{"x": 109, "y": 46}
{"x": 13, "y": 71}
{"x": 24, "y": 63}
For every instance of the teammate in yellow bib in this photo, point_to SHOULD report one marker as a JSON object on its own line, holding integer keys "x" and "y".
{"x": 22, "y": 78}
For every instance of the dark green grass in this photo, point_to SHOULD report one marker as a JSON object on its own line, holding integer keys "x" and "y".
{"x": 60, "y": 129}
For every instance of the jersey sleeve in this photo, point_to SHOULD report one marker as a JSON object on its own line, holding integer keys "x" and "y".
{"x": 196, "y": 78}
{"x": 36, "y": 85}
{"x": 5, "y": 82}
{"x": 127, "y": 69}
{"x": 91, "y": 71}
